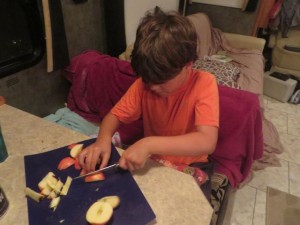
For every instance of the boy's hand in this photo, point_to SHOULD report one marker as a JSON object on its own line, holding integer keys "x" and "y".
{"x": 94, "y": 154}
{"x": 135, "y": 156}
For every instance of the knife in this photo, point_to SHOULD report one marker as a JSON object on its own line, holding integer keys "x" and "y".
{"x": 113, "y": 167}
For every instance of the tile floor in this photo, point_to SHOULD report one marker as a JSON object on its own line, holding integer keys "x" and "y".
{"x": 249, "y": 205}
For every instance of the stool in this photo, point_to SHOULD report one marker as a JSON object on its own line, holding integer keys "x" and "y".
{"x": 278, "y": 89}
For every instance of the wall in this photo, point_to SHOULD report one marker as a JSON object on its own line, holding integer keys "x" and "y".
{"x": 41, "y": 93}
{"x": 228, "y": 19}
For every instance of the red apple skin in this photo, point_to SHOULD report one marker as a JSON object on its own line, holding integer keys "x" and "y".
{"x": 95, "y": 177}
{"x": 65, "y": 163}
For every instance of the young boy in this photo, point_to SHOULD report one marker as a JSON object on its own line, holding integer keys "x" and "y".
{"x": 179, "y": 105}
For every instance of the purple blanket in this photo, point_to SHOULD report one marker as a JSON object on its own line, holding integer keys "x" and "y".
{"x": 240, "y": 140}
{"x": 98, "y": 82}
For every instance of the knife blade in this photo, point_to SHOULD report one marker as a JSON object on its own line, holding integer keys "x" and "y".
{"x": 113, "y": 167}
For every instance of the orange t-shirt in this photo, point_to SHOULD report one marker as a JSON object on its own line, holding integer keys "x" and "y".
{"x": 195, "y": 103}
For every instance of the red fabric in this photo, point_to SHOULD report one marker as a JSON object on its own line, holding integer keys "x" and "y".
{"x": 240, "y": 140}
{"x": 98, "y": 82}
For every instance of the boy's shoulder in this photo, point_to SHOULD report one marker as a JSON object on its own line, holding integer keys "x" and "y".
{"x": 202, "y": 76}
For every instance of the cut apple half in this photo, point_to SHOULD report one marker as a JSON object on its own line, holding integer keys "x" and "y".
{"x": 76, "y": 150}
{"x": 33, "y": 194}
{"x": 113, "y": 200}
{"x": 65, "y": 163}
{"x": 99, "y": 213}
{"x": 95, "y": 177}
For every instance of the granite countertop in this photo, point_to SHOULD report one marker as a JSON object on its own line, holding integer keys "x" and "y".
{"x": 174, "y": 196}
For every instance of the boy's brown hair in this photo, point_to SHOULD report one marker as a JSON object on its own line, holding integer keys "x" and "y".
{"x": 164, "y": 44}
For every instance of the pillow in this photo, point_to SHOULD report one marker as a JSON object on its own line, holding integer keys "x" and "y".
{"x": 226, "y": 73}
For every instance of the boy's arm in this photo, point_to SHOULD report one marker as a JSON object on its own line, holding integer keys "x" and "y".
{"x": 202, "y": 141}
{"x": 100, "y": 150}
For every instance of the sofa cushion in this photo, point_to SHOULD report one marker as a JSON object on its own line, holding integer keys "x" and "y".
{"x": 226, "y": 73}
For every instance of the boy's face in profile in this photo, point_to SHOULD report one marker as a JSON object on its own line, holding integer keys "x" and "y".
{"x": 170, "y": 86}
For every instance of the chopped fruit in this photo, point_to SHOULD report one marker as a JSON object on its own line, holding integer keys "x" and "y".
{"x": 57, "y": 188}
{"x": 65, "y": 163}
{"x": 95, "y": 177}
{"x": 52, "y": 195}
{"x": 46, "y": 191}
{"x": 76, "y": 164}
{"x": 76, "y": 150}
{"x": 66, "y": 187}
{"x": 54, "y": 203}
{"x": 99, "y": 213}
{"x": 51, "y": 182}
{"x": 52, "y": 188}
{"x": 113, "y": 200}
{"x": 33, "y": 194}
{"x": 43, "y": 183}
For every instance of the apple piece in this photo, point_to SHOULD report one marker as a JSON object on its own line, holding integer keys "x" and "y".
{"x": 76, "y": 150}
{"x": 71, "y": 146}
{"x": 43, "y": 183}
{"x": 33, "y": 194}
{"x": 65, "y": 163}
{"x": 95, "y": 177}
{"x": 113, "y": 200}
{"x": 52, "y": 195}
{"x": 57, "y": 188}
{"x": 46, "y": 191}
{"x": 99, "y": 213}
{"x": 51, "y": 182}
{"x": 66, "y": 186}
{"x": 54, "y": 203}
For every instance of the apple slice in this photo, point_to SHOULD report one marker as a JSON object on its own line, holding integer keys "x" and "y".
{"x": 113, "y": 200}
{"x": 76, "y": 150}
{"x": 95, "y": 177}
{"x": 52, "y": 195}
{"x": 43, "y": 183}
{"x": 46, "y": 191}
{"x": 51, "y": 182}
{"x": 66, "y": 186}
{"x": 54, "y": 203}
{"x": 71, "y": 146}
{"x": 65, "y": 163}
{"x": 57, "y": 188}
{"x": 99, "y": 213}
{"x": 33, "y": 194}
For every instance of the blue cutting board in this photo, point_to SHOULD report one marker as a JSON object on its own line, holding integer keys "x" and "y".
{"x": 133, "y": 209}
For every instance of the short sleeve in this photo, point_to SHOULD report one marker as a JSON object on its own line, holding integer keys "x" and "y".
{"x": 207, "y": 105}
{"x": 128, "y": 109}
